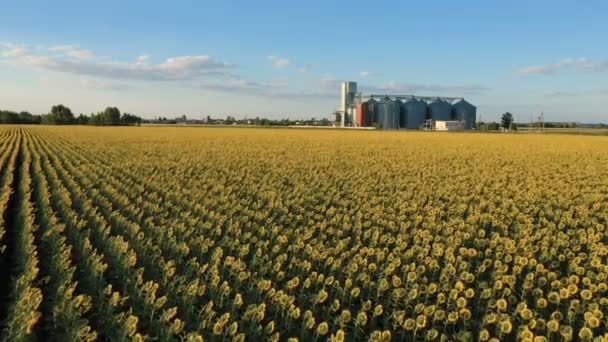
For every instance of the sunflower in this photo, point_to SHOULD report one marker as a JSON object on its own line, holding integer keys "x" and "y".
{"x": 409, "y": 324}
{"x": 465, "y": 314}
{"x": 321, "y": 296}
{"x": 501, "y": 304}
{"x": 323, "y": 329}
{"x": 339, "y": 336}
{"x": 378, "y": 310}
{"x": 505, "y": 327}
{"x": 431, "y": 335}
{"x": 461, "y": 302}
{"x": 484, "y": 335}
{"x": 585, "y": 334}
{"x": 586, "y": 295}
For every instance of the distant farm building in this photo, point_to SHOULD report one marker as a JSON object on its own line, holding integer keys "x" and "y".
{"x": 389, "y": 111}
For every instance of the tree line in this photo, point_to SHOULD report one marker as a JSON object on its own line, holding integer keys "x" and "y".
{"x": 62, "y": 115}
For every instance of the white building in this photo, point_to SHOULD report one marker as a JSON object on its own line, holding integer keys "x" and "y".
{"x": 440, "y": 125}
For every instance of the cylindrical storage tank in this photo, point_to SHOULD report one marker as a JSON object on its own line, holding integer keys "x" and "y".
{"x": 462, "y": 110}
{"x": 402, "y": 115}
{"x": 363, "y": 114}
{"x": 440, "y": 110}
{"x": 388, "y": 114}
{"x": 397, "y": 119}
{"x": 372, "y": 110}
{"x": 472, "y": 119}
{"x": 350, "y": 115}
{"x": 415, "y": 113}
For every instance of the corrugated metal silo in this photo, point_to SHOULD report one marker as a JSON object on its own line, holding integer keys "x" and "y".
{"x": 388, "y": 114}
{"x": 397, "y": 120}
{"x": 465, "y": 111}
{"x": 402, "y": 115}
{"x": 372, "y": 110}
{"x": 350, "y": 116}
{"x": 471, "y": 119}
{"x": 440, "y": 110}
{"x": 415, "y": 113}
{"x": 363, "y": 114}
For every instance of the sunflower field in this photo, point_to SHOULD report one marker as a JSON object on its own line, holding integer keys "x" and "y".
{"x": 235, "y": 234}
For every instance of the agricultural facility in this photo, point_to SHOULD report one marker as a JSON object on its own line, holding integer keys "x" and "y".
{"x": 403, "y": 111}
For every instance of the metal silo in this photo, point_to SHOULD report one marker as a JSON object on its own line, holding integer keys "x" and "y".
{"x": 471, "y": 119}
{"x": 397, "y": 119}
{"x": 350, "y": 115}
{"x": 364, "y": 113}
{"x": 388, "y": 113}
{"x": 415, "y": 113}
{"x": 372, "y": 111}
{"x": 465, "y": 111}
{"x": 440, "y": 110}
{"x": 402, "y": 115}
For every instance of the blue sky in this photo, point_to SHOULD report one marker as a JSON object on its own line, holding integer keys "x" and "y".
{"x": 287, "y": 58}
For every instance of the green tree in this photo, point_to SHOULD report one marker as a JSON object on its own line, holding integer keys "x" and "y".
{"x": 59, "y": 115}
{"x": 82, "y": 119}
{"x": 493, "y": 126}
{"x": 130, "y": 119}
{"x": 8, "y": 117}
{"x": 111, "y": 116}
{"x": 507, "y": 120}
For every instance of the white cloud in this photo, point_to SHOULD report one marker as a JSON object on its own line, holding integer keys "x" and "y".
{"x": 278, "y": 62}
{"x": 369, "y": 74}
{"x": 84, "y": 82}
{"x": 11, "y": 50}
{"x": 579, "y": 64}
{"x": 73, "y": 51}
{"x": 171, "y": 69}
{"x": 95, "y": 84}
{"x": 15, "y": 52}
{"x": 143, "y": 59}
{"x": 280, "y": 82}
{"x": 81, "y": 54}
{"x": 275, "y": 89}
{"x": 307, "y": 67}
{"x": 420, "y": 89}
{"x": 560, "y": 93}
{"x": 329, "y": 82}
{"x": 61, "y": 47}
{"x": 602, "y": 91}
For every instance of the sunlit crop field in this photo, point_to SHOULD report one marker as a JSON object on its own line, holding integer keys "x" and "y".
{"x": 222, "y": 234}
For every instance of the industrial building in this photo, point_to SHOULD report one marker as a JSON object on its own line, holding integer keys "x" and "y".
{"x": 403, "y": 111}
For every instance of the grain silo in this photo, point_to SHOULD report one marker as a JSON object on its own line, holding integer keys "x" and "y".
{"x": 464, "y": 111}
{"x": 402, "y": 115}
{"x": 363, "y": 114}
{"x": 414, "y": 113}
{"x": 350, "y": 115}
{"x": 397, "y": 120}
{"x": 395, "y": 111}
{"x": 388, "y": 114}
{"x": 440, "y": 110}
{"x": 372, "y": 110}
